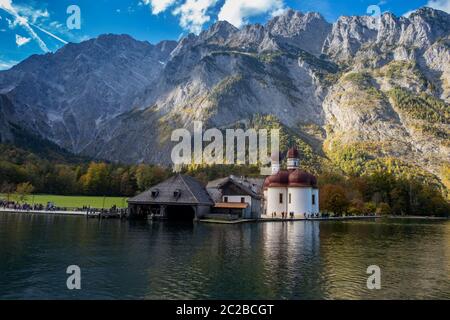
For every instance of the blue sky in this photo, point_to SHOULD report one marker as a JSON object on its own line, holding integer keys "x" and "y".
{"x": 37, "y": 26}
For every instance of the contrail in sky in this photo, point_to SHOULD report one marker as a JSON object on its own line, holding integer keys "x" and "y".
{"x": 49, "y": 33}
{"x": 6, "y": 5}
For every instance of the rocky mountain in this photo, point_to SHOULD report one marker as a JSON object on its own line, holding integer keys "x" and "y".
{"x": 66, "y": 95}
{"x": 360, "y": 93}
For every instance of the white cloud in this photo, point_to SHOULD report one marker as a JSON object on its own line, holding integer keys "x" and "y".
{"x": 10, "y": 23}
{"x": 408, "y": 13}
{"x": 158, "y": 6}
{"x": 194, "y": 14}
{"x": 237, "y": 12}
{"x": 31, "y": 13}
{"x": 7, "y": 6}
{"x": 5, "y": 65}
{"x": 20, "y": 41}
{"x": 28, "y": 17}
{"x": 443, "y": 5}
{"x": 278, "y": 12}
{"x": 56, "y": 25}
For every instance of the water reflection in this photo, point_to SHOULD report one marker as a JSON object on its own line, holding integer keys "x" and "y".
{"x": 292, "y": 260}
{"x": 410, "y": 256}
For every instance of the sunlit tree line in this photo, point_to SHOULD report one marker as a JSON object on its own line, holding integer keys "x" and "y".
{"x": 96, "y": 179}
{"x": 380, "y": 192}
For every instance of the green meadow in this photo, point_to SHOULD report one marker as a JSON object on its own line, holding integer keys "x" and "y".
{"x": 73, "y": 201}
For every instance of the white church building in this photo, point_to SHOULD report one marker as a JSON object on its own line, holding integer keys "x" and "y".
{"x": 291, "y": 192}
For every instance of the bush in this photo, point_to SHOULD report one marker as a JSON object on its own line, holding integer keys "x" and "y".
{"x": 23, "y": 190}
{"x": 356, "y": 207}
{"x": 370, "y": 208}
{"x": 334, "y": 199}
{"x": 383, "y": 209}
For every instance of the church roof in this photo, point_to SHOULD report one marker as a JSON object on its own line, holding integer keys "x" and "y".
{"x": 279, "y": 179}
{"x": 290, "y": 178}
{"x": 300, "y": 178}
{"x": 179, "y": 189}
{"x": 293, "y": 177}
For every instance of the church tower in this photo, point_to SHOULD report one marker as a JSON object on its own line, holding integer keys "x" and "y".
{"x": 293, "y": 160}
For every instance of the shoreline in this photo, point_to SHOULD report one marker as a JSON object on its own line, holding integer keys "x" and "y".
{"x": 66, "y": 213}
{"x": 418, "y": 217}
{"x": 239, "y": 221}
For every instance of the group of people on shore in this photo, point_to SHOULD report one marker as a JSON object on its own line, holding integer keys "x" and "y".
{"x": 111, "y": 211}
{"x": 284, "y": 215}
{"x": 4, "y": 204}
{"x": 13, "y": 205}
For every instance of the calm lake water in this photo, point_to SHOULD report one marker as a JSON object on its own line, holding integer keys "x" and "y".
{"x": 295, "y": 260}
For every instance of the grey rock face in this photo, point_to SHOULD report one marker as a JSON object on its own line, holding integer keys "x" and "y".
{"x": 6, "y": 116}
{"x": 351, "y": 36}
{"x": 307, "y": 31}
{"x": 119, "y": 99}
{"x": 66, "y": 95}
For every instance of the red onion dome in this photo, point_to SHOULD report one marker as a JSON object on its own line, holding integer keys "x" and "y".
{"x": 299, "y": 178}
{"x": 292, "y": 153}
{"x": 280, "y": 179}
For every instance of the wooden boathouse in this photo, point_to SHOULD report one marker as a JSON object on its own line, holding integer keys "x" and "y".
{"x": 178, "y": 198}
{"x": 231, "y": 193}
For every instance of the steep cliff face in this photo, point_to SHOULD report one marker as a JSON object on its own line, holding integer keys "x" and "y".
{"x": 355, "y": 39}
{"x": 380, "y": 86}
{"x": 392, "y": 97}
{"x": 64, "y": 96}
{"x": 6, "y": 115}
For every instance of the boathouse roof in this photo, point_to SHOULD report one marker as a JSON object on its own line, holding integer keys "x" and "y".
{"x": 179, "y": 189}
{"x": 249, "y": 186}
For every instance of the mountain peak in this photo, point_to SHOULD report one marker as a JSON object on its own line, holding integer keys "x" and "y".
{"x": 223, "y": 25}
{"x": 428, "y": 12}
{"x": 118, "y": 39}
{"x": 291, "y": 14}
{"x": 293, "y": 21}
{"x": 220, "y": 29}
{"x": 306, "y": 31}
